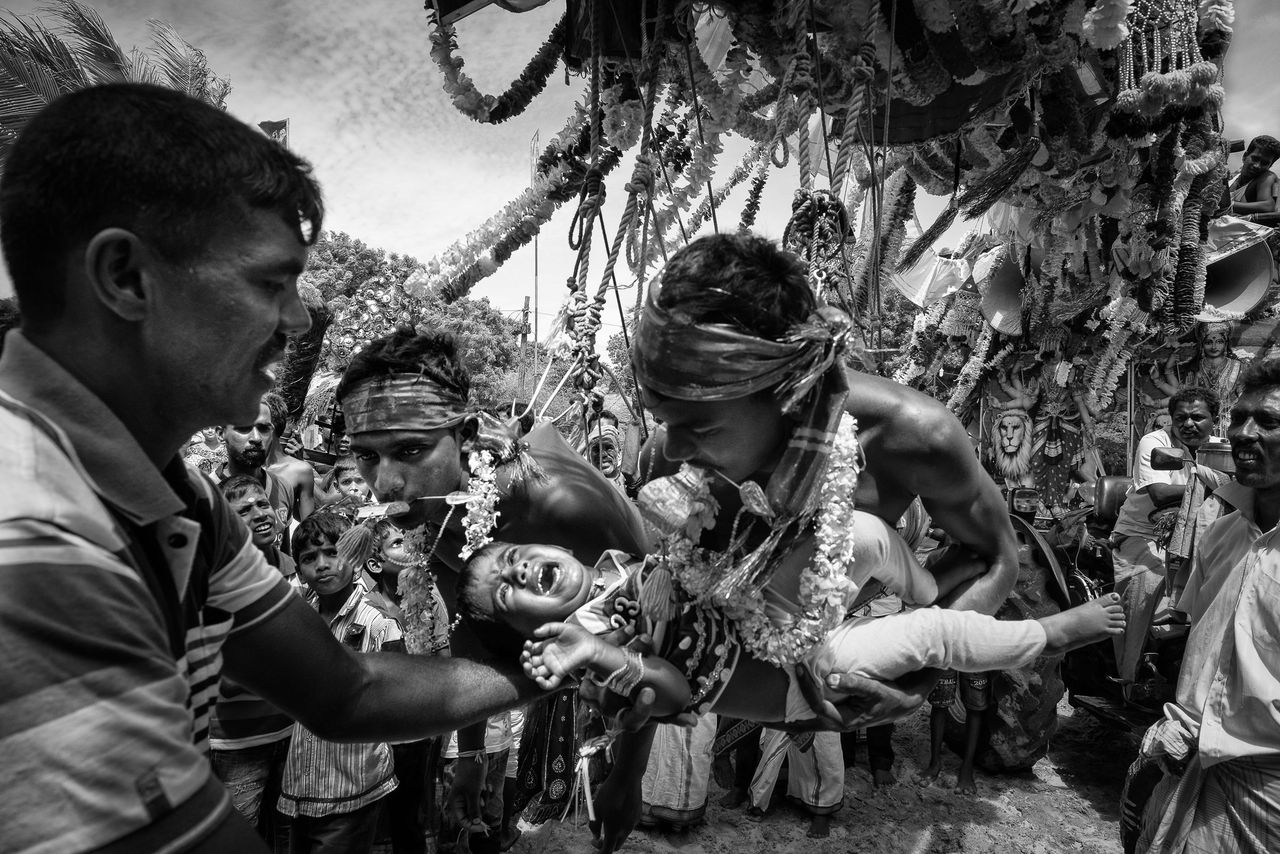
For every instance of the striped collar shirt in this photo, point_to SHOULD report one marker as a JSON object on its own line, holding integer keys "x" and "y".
{"x": 105, "y": 698}
{"x": 323, "y": 777}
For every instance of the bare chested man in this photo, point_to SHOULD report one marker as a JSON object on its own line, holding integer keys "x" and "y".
{"x": 733, "y": 356}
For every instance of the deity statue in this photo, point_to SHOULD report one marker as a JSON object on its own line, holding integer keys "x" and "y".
{"x": 1216, "y": 369}
{"x": 1062, "y": 418}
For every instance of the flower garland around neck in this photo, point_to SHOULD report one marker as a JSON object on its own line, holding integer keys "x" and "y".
{"x": 417, "y": 582}
{"x": 825, "y": 587}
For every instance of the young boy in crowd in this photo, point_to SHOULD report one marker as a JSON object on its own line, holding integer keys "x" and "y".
{"x": 335, "y": 792}
{"x": 249, "y": 500}
{"x": 527, "y": 591}
{"x": 344, "y": 487}
{"x": 412, "y": 810}
{"x": 249, "y": 737}
{"x": 1255, "y": 189}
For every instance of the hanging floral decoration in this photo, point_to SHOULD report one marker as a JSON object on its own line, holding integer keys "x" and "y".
{"x": 492, "y": 109}
{"x": 1080, "y": 136}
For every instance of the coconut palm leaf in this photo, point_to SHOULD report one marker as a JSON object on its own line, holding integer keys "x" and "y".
{"x": 177, "y": 62}
{"x": 90, "y": 41}
{"x": 35, "y": 68}
{"x": 141, "y": 69}
{"x": 28, "y": 37}
{"x": 181, "y": 65}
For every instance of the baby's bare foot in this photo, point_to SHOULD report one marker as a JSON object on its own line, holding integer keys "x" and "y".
{"x": 1084, "y": 624}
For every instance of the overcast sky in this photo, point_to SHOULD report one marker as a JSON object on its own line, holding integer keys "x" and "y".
{"x": 404, "y": 171}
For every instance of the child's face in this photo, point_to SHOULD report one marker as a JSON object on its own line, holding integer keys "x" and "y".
{"x": 394, "y": 557}
{"x": 351, "y": 483}
{"x": 322, "y": 569}
{"x": 1256, "y": 162}
{"x": 528, "y": 585}
{"x": 257, "y": 512}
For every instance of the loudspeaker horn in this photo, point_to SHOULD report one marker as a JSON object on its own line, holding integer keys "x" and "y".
{"x": 1240, "y": 269}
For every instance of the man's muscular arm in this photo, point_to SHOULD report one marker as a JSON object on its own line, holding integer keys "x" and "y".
{"x": 935, "y": 461}
{"x": 965, "y": 502}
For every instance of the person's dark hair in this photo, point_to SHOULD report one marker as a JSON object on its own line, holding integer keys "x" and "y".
{"x": 344, "y": 463}
{"x": 504, "y": 642}
{"x": 237, "y": 487}
{"x": 147, "y": 159}
{"x": 9, "y": 318}
{"x": 740, "y": 280}
{"x": 1191, "y": 394}
{"x": 319, "y": 529}
{"x": 433, "y": 353}
{"x": 1260, "y": 376}
{"x": 278, "y": 411}
{"x": 607, "y": 415}
{"x": 381, "y": 528}
{"x": 1268, "y": 145}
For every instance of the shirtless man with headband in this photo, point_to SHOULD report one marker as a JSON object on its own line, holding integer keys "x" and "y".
{"x": 406, "y": 398}
{"x": 742, "y": 367}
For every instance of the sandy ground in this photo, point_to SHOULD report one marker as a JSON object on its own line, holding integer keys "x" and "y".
{"x": 1067, "y": 803}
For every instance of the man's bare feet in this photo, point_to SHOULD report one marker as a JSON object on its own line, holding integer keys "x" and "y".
{"x": 722, "y": 771}
{"x": 734, "y": 798}
{"x": 965, "y": 784}
{"x": 819, "y": 827}
{"x": 883, "y": 777}
{"x": 931, "y": 772}
{"x": 1091, "y": 622}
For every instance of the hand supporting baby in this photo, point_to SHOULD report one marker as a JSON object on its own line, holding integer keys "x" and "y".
{"x": 557, "y": 650}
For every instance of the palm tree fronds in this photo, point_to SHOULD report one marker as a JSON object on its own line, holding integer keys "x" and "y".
{"x": 26, "y": 85}
{"x": 27, "y": 37}
{"x": 178, "y": 63}
{"x": 91, "y": 42}
{"x": 141, "y": 70}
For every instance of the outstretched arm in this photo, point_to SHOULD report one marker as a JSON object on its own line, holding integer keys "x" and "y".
{"x": 292, "y": 660}
{"x": 939, "y": 465}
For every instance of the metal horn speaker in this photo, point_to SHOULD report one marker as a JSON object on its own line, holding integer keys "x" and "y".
{"x": 1240, "y": 271}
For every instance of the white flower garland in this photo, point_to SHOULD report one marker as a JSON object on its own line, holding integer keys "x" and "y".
{"x": 482, "y": 503}
{"x": 418, "y": 579}
{"x": 825, "y": 588}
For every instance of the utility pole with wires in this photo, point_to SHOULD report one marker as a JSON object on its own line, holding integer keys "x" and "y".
{"x": 534, "y": 145}
{"x": 524, "y": 345}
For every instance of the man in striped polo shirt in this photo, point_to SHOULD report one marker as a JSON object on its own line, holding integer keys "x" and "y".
{"x": 154, "y": 244}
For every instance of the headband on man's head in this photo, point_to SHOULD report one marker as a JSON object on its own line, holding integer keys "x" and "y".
{"x": 682, "y": 359}
{"x": 402, "y": 402}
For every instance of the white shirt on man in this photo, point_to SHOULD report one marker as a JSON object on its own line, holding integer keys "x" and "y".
{"x": 1229, "y": 686}
{"x": 1134, "y": 519}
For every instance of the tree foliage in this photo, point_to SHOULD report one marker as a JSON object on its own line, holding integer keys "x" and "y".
{"x": 364, "y": 289}
{"x": 72, "y": 48}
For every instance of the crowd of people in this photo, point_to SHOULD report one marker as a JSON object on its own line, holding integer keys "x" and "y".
{"x": 251, "y": 651}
